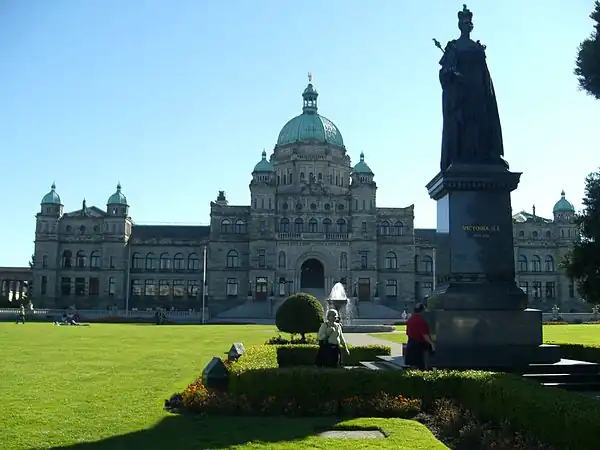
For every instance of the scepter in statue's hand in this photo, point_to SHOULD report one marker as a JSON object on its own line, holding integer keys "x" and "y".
{"x": 438, "y": 45}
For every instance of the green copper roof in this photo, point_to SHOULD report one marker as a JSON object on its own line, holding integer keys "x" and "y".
{"x": 263, "y": 165}
{"x": 310, "y": 126}
{"x": 117, "y": 198}
{"x": 361, "y": 166}
{"x": 563, "y": 205}
{"x": 51, "y": 198}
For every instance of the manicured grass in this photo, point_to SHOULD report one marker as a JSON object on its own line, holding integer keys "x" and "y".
{"x": 104, "y": 387}
{"x": 587, "y": 334}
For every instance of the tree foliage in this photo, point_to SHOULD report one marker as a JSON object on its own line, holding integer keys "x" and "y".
{"x": 299, "y": 314}
{"x": 587, "y": 64}
{"x": 582, "y": 263}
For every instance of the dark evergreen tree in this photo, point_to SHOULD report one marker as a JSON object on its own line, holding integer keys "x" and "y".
{"x": 582, "y": 264}
{"x": 587, "y": 65}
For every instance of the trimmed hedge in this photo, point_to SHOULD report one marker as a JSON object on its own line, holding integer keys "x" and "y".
{"x": 580, "y": 352}
{"x": 556, "y": 417}
{"x": 305, "y": 355}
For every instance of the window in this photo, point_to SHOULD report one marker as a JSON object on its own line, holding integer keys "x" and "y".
{"x": 391, "y": 288}
{"x": 262, "y": 259}
{"x": 164, "y": 289}
{"x": 164, "y": 261}
{"x": 427, "y": 264}
{"x": 193, "y": 262}
{"x": 232, "y": 287}
{"x": 384, "y": 228}
{"x": 67, "y": 258}
{"x": 549, "y": 264}
{"x": 341, "y": 226}
{"x": 65, "y": 286}
{"x": 111, "y": 286}
{"x": 79, "y": 286}
{"x": 44, "y": 261}
{"x": 284, "y": 226}
{"x": 364, "y": 228}
{"x": 178, "y": 288}
{"x": 178, "y": 261}
{"x": 95, "y": 259}
{"x": 150, "y": 262}
{"x": 548, "y": 234}
{"x": 522, "y": 263}
{"x": 281, "y": 260}
{"x": 427, "y": 289}
{"x": 398, "y": 229}
{"x": 571, "y": 289}
{"x": 363, "y": 260}
{"x": 94, "y": 286}
{"x": 537, "y": 289}
{"x": 521, "y": 233}
{"x": 536, "y": 264}
{"x": 193, "y": 288}
{"x": 343, "y": 261}
{"x": 524, "y": 285}
{"x": 550, "y": 289}
{"x": 240, "y": 227}
{"x": 391, "y": 262}
{"x": 312, "y": 226}
{"x": 137, "y": 262}
{"x": 44, "y": 285}
{"x": 149, "y": 288}
{"x": 233, "y": 259}
{"x": 136, "y": 288}
{"x": 327, "y": 225}
{"x": 226, "y": 226}
{"x": 111, "y": 262}
{"x": 534, "y": 234}
{"x": 298, "y": 225}
{"x": 282, "y": 287}
{"x": 81, "y": 259}
{"x": 262, "y": 226}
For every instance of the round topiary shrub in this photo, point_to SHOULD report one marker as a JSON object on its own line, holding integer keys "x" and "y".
{"x": 299, "y": 314}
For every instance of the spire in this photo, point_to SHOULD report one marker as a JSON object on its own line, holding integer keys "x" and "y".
{"x": 264, "y": 155}
{"x": 53, "y": 187}
{"x": 562, "y": 194}
{"x": 309, "y": 104}
{"x": 362, "y": 156}
{"x": 118, "y": 186}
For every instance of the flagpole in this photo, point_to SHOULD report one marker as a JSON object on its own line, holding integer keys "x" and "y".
{"x": 204, "y": 286}
{"x": 433, "y": 270}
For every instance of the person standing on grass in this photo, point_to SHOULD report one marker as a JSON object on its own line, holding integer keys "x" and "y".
{"x": 331, "y": 339}
{"x": 420, "y": 343}
{"x": 21, "y": 315}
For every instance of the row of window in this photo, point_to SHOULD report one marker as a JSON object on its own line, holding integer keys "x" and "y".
{"x": 548, "y": 290}
{"x": 80, "y": 260}
{"x": 165, "y": 288}
{"x": 535, "y": 265}
{"x": 548, "y": 234}
{"x": 165, "y": 262}
{"x": 330, "y": 178}
{"x": 80, "y": 286}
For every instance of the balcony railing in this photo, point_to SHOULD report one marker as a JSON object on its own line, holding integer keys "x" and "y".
{"x": 313, "y": 236}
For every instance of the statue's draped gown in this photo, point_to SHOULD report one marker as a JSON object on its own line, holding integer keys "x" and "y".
{"x": 472, "y": 132}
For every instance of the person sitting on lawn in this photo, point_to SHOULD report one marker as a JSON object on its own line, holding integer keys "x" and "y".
{"x": 331, "y": 338}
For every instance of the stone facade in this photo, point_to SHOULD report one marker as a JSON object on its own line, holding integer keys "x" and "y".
{"x": 312, "y": 221}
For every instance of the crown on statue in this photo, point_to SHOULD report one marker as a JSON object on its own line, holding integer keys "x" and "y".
{"x": 465, "y": 14}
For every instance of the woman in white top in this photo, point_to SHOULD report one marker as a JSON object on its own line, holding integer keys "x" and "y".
{"x": 331, "y": 338}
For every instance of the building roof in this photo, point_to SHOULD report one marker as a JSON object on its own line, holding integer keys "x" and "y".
{"x": 362, "y": 167}
{"x": 425, "y": 235}
{"x": 522, "y": 217}
{"x": 52, "y": 197}
{"x": 563, "y": 205}
{"x": 117, "y": 198}
{"x": 263, "y": 165}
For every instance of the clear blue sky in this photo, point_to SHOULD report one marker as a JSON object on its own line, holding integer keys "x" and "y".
{"x": 177, "y": 99}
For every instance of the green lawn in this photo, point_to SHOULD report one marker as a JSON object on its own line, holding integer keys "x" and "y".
{"x": 572, "y": 334}
{"x": 104, "y": 387}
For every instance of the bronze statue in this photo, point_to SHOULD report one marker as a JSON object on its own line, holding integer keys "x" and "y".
{"x": 472, "y": 132}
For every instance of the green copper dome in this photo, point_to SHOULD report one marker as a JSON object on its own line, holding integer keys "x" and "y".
{"x": 361, "y": 166}
{"x": 563, "y": 205}
{"x": 117, "y": 198}
{"x": 310, "y": 126}
{"x": 263, "y": 165}
{"x": 51, "y": 198}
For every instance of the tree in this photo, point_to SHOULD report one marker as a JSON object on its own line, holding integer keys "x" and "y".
{"x": 587, "y": 64}
{"x": 299, "y": 314}
{"x": 582, "y": 263}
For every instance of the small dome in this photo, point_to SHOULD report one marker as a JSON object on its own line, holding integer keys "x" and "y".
{"x": 361, "y": 166}
{"x": 117, "y": 198}
{"x": 51, "y": 198}
{"x": 563, "y": 205}
{"x": 263, "y": 165}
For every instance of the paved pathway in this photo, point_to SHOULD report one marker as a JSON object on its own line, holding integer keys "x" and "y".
{"x": 366, "y": 339}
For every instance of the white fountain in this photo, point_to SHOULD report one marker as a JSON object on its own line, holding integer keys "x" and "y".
{"x": 339, "y": 301}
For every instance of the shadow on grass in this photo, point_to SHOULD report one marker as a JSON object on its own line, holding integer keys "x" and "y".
{"x": 196, "y": 432}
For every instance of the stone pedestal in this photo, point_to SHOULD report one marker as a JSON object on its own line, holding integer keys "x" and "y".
{"x": 477, "y": 311}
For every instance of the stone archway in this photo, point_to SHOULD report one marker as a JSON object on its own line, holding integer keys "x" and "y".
{"x": 312, "y": 274}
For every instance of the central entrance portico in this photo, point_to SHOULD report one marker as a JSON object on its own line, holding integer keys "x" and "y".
{"x": 312, "y": 274}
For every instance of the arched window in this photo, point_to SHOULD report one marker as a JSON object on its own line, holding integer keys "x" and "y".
{"x": 233, "y": 259}
{"x": 343, "y": 261}
{"x": 341, "y": 226}
{"x": 391, "y": 261}
{"x": 67, "y": 259}
{"x": 193, "y": 262}
{"x": 178, "y": 261}
{"x": 150, "y": 261}
{"x": 81, "y": 259}
{"x": 137, "y": 262}
{"x": 95, "y": 259}
{"x": 548, "y": 234}
{"x": 281, "y": 260}
{"x": 240, "y": 227}
{"x": 284, "y": 226}
{"x": 226, "y": 226}
{"x": 427, "y": 264}
{"x": 398, "y": 229}
{"x": 298, "y": 225}
{"x": 384, "y": 228}
{"x": 549, "y": 264}
{"x": 164, "y": 261}
{"x": 327, "y": 225}
{"x": 312, "y": 225}
{"x": 536, "y": 264}
{"x": 523, "y": 263}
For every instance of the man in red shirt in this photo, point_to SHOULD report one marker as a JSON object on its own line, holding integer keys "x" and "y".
{"x": 419, "y": 340}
